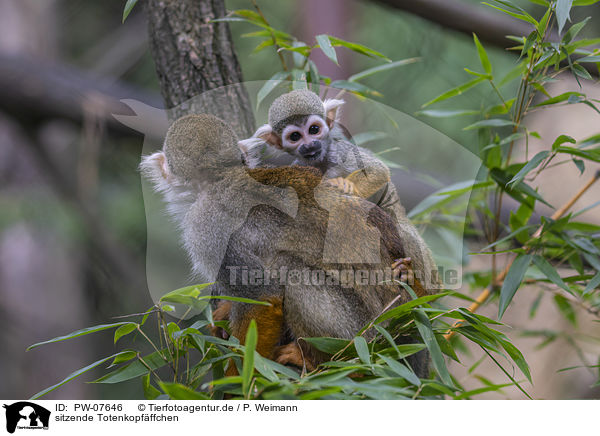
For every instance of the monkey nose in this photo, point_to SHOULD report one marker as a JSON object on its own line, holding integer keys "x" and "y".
{"x": 310, "y": 151}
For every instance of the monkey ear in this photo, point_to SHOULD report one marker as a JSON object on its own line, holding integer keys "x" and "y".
{"x": 265, "y": 132}
{"x": 332, "y": 110}
{"x": 155, "y": 166}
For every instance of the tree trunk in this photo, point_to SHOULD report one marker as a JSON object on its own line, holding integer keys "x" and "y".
{"x": 192, "y": 56}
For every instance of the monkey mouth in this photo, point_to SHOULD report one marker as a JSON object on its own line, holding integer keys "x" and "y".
{"x": 313, "y": 155}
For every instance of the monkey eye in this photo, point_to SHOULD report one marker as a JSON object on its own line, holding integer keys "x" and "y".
{"x": 314, "y": 129}
{"x": 295, "y": 136}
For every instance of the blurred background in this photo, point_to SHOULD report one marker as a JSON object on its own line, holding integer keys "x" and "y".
{"x": 72, "y": 222}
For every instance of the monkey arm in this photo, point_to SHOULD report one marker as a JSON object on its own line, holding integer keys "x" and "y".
{"x": 371, "y": 176}
{"x": 415, "y": 247}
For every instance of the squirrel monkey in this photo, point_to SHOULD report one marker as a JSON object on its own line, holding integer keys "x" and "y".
{"x": 307, "y": 128}
{"x": 202, "y": 179}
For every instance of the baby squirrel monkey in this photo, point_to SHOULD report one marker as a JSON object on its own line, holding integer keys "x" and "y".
{"x": 209, "y": 191}
{"x": 307, "y": 128}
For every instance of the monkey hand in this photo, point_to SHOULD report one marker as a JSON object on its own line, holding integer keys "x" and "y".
{"x": 291, "y": 354}
{"x": 402, "y": 270}
{"x": 344, "y": 185}
{"x": 221, "y": 313}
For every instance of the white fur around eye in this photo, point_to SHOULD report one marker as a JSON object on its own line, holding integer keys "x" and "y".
{"x": 288, "y": 131}
{"x": 315, "y": 119}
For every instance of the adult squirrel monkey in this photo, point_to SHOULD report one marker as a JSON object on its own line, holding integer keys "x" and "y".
{"x": 208, "y": 190}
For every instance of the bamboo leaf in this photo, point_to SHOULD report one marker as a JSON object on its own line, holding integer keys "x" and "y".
{"x": 513, "y": 281}
{"x": 74, "y": 375}
{"x": 483, "y": 57}
{"x": 592, "y": 284}
{"x": 456, "y": 91}
{"x": 78, "y": 333}
{"x": 248, "y": 366}
{"x": 362, "y": 349}
{"x": 358, "y": 48}
{"x": 563, "y": 7}
{"x": 533, "y": 163}
{"x": 270, "y": 85}
{"x": 124, "y": 330}
{"x": 550, "y": 272}
{"x": 325, "y": 45}
{"x": 128, "y": 7}
{"x": 437, "y": 358}
{"x": 380, "y": 68}
{"x": 493, "y": 122}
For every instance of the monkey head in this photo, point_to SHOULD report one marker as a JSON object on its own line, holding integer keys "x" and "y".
{"x": 196, "y": 143}
{"x": 299, "y": 124}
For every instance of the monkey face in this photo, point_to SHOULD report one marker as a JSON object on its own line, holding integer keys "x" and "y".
{"x": 308, "y": 140}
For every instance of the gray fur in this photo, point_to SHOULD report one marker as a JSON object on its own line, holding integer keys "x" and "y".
{"x": 228, "y": 219}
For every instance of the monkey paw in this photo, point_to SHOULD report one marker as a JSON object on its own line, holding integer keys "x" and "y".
{"x": 344, "y": 185}
{"x": 221, "y": 313}
{"x": 402, "y": 270}
{"x": 291, "y": 354}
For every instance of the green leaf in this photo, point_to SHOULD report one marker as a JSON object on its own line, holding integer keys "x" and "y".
{"x": 358, "y": 48}
{"x": 593, "y": 154}
{"x": 574, "y": 31}
{"x": 177, "y": 391}
{"x": 500, "y": 109}
{"x": 561, "y": 140}
{"x": 250, "y": 15}
{"x": 378, "y": 69}
{"x": 502, "y": 178}
{"x": 133, "y": 369}
{"x": 128, "y": 7}
{"x": 559, "y": 98}
{"x": 263, "y": 366}
{"x": 437, "y": 358}
{"x": 566, "y": 309}
{"x": 401, "y": 370}
{"x": 74, "y": 375}
{"x": 493, "y": 122}
{"x": 78, "y": 333}
{"x": 593, "y": 59}
{"x": 456, "y": 91}
{"x": 183, "y": 295}
{"x": 270, "y": 85}
{"x": 442, "y": 113}
{"x": 581, "y": 72}
{"x": 248, "y": 367}
{"x": 550, "y": 272}
{"x": 592, "y": 284}
{"x": 408, "y": 306}
{"x": 475, "y": 73}
{"x": 327, "y": 345}
{"x": 521, "y": 16}
{"x": 362, "y": 349}
{"x": 513, "y": 281}
{"x": 366, "y": 137}
{"x": 150, "y": 392}
{"x": 563, "y": 7}
{"x": 325, "y": 45}
{"x": 124, "y": 357}
{"x": 314, "y": 77}
{"x": 355, "y": 87}
{"x": 533, "y": 163}
{"x": 483, "y": 57}
{"x": 124, "y": 330}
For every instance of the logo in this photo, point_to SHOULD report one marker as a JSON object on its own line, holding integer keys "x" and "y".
{"x": 26, "y": 415}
